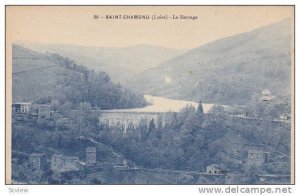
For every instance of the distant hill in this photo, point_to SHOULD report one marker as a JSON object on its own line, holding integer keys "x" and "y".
{"x": 121, "y": 63}
{"x": 227, "y": 71}
{"x": 35, "y": 75}
{"x": 50, "y": 76}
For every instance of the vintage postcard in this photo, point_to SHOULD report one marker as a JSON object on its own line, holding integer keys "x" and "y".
{"x": 150, "y": 95}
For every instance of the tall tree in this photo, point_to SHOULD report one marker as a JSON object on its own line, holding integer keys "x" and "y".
{"x": 200, "y": 108}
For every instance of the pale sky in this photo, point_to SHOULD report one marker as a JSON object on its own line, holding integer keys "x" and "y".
{"x": 75, "y": 24}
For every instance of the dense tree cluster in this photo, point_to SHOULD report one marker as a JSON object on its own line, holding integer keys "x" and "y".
{"x": 194, "y": 140}
{"x": 180, "y": 145}
{"x": 191, "y": 141}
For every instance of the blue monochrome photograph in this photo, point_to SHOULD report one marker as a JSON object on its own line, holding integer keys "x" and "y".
{"x": 173, "y": 95}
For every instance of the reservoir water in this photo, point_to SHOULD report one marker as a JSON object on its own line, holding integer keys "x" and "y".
{"x": 162, "y": 104}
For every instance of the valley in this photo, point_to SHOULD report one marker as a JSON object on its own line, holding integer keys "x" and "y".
{"x": 220, "y": 113}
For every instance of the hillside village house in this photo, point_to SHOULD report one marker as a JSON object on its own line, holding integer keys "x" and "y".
{"x": 60, "y": 163}
{"x": 285, "y": 117}
{"x": 40, "y": 111}
{"x": 215, "y": 169}
{"x": 44, "y": 111}
{"x": 20, "y": 110}
{"x": 38, "y": 161}
{"x": 266, "y": 95}
{"x": 256, "y": 157}
{"x": 90, "y": 156}
{"x": 21, "y": 107}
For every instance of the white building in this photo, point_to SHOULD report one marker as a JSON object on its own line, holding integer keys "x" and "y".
{"x": 215, "y": 169}
{"x": 60, "y": 163}
{"x": 266, "y": 95}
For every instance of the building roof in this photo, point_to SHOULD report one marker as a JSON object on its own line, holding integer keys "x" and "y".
{"x": 216, "y": 166}
{"x": 44, "y": 106}
{"x": 266, "y": 92}
{"x": 81, "y": 163}
{"x": 91, "y": 149}
{"x": 37, "y": 154}
{"x": 26, "y": 103}
{"x": 71, "y": 157}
